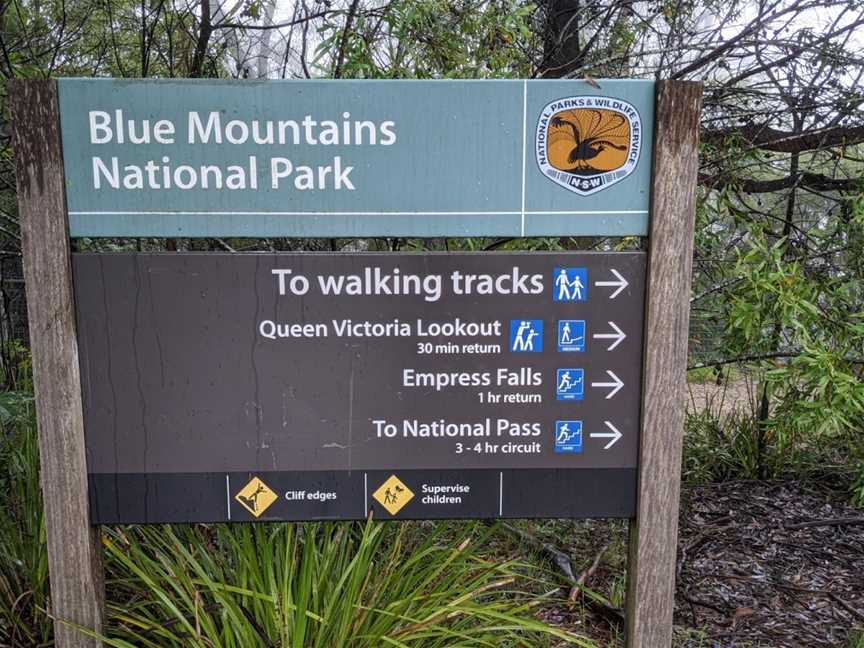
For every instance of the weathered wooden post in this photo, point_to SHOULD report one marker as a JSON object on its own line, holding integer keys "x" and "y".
{"x": 654, "y": 532}
{"x": 74, "y": 552}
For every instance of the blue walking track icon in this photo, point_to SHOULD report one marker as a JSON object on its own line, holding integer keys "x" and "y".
{"x": 570, "y": 284}
{"x": 526, "y": 336}
{"x": 568, "y": 437}
{"x": 570, "y": 385}
{"x": 571, "y": 335}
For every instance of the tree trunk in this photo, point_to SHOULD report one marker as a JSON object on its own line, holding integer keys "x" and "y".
{"x": 561, "y": 38}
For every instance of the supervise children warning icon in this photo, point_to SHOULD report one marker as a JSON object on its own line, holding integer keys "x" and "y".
{"x": 393, "y": 494}
{"x": 256, "y": 497}
{"x": 586, "y": 144}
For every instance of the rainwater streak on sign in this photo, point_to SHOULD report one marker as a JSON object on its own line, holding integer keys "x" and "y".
{"x": 356, "y": 158}
{"x": 320, "y": 386}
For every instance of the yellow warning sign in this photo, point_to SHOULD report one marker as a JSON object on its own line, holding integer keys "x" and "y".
{"x": 256, "y": 497}
{"x": 393, "y": 495}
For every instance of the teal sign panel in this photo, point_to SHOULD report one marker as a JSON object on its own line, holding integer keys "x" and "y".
{"x": 356, "y": 158}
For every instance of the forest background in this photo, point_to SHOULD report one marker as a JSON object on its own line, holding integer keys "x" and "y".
{"x": 777, "y": 309}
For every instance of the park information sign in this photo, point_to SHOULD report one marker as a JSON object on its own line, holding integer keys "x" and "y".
{"x": 356, "y": 158}
{"x": 318, "y": 386}
{"x": 274, "y": 386}
{"x": 250, "y": 387}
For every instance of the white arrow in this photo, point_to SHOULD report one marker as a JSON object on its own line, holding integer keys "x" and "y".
{"x": 615, "y": 385}
{"x": 621, "y": 283}
{"x": 618, "y": 336}
{"x": 614, "y": 435}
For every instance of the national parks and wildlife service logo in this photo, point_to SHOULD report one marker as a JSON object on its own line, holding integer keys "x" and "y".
{"x": 586, "y": 144}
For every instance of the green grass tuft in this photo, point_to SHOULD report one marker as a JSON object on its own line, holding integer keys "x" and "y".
{"x": 319, "y": 585}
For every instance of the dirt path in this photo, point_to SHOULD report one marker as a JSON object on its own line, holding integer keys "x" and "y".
{"x": 770, "y": 564}
{"x": 760, "y": 565}
{"x": 738, "y": 395}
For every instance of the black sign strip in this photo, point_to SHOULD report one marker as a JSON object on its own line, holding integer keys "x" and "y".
{"x": 465, "y": 369}
{"x": 156, "y": 498}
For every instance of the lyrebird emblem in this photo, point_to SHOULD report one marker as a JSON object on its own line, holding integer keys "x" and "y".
{"x": 597, "y": 136}
{"x": 586, "y": 143}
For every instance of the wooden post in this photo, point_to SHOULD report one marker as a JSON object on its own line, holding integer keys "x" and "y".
{"x": 654, "y": 532}
{"x": 74, "y": 553}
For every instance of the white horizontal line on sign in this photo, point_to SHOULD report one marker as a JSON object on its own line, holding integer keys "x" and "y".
{"x": 335, "y": 213}
{"x": 592, "y": 211}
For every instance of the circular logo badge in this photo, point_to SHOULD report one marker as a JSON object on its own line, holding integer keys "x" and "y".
{"x": 586, "y": 144}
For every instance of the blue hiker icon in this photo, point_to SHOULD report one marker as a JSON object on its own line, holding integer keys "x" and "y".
{"x": 570, "y": 284}
{"x": 570, "y": 384}
{"x": 571, "y": 335}
{"x": 568, "y": 437}
{"x": 526, "y": 336}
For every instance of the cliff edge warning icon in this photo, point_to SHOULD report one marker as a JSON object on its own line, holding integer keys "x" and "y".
{"x": 256, "y": 497}
{"x": 393, "y": 494}
{"x": 586, "y": 144}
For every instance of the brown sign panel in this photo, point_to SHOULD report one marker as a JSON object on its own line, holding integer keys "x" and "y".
{"x": 322, "y": 386}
